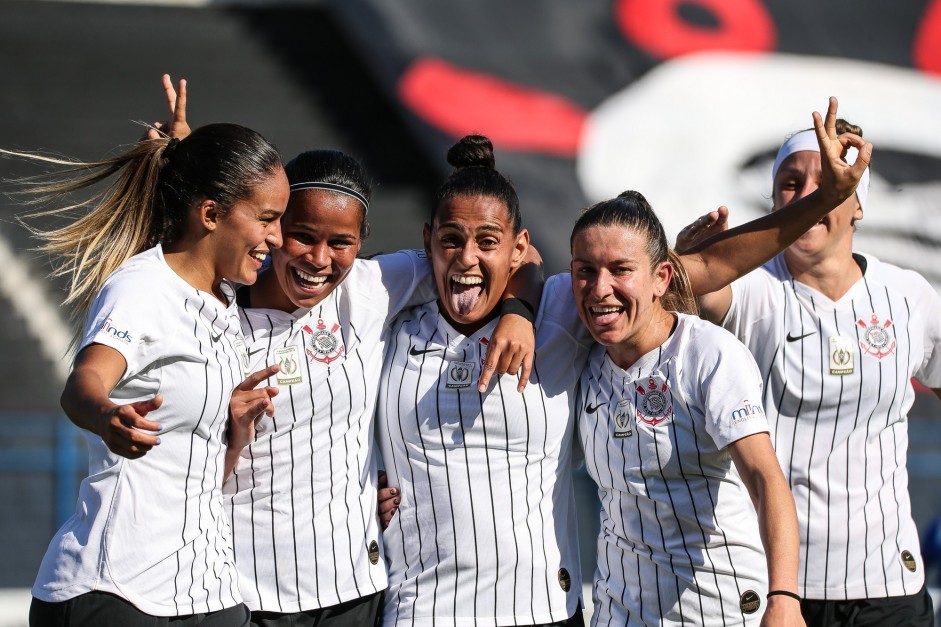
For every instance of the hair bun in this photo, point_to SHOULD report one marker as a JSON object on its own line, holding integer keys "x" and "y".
{"x": 470, "y": 151}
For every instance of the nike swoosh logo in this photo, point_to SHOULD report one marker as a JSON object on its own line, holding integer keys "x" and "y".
{"x": 415, "y": 352}
{"x": 257, "y": 350}
{"x": 589, "y": 408}
{"x": 791, "y": 338}
{"x": 215, "y": 338}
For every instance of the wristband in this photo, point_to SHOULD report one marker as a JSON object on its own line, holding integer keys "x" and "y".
{"x": 784, "y": 593}
{"x": 519, "y": 307}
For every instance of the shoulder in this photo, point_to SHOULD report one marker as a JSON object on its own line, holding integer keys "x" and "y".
{"x": 894, "y": 277}
{"x": 703, "y": 342}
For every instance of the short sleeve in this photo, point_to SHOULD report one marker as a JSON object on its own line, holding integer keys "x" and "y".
{"x": 929, "y": 308}
{"x": 123, "y": 317}
{"x": 753, "y": 298}
{"x": 731, "y": 389}
{"x": 405, "y": 277}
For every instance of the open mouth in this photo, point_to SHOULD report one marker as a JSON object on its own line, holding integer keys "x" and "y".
{"x": 258, "y": 256}
{"x": 465, "y": 293}
{"x": 309, "y": 281}
{"x": 605, "y": 314}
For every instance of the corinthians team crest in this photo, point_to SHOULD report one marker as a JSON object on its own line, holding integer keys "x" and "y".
{"x": 876, "y": 339}
{"x": 324, "y": 345}
{"x": 656, "y": 403}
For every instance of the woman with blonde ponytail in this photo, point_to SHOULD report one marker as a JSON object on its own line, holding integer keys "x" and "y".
{"x": 152, "y": 265}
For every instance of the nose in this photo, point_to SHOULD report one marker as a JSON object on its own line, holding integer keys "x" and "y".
{"x": 319, "y": 255}
{"x": 274, "y": 235}
{"x": 469, "y": 255}
{"x": 602, "y": 285}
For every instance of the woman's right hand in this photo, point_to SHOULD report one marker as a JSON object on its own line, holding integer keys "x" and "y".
{"x": 703, "y": 228}
{"x": 176, "y": 126}
{"x": 388, "y": 500}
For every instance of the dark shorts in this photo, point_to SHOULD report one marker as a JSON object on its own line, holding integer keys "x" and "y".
{"x": 101, "y": 609}
{"x": 361, "y": 612}
{"x": 908, "y": 611}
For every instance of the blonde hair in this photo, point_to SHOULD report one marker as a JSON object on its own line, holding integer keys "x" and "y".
{"x": 155, "y": 185}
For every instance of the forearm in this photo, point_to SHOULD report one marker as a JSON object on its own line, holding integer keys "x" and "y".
{"x": 777, "y": 522}
{"x": 734, "y": 253}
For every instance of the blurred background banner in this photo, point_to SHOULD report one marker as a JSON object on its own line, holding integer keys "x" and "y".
{"x": 685, "y": 101}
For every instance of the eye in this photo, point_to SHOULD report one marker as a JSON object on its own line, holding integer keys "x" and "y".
{"x": 449, "y": 241}
{"x": 341, "y": 244}
{"x": 488, "y": 243}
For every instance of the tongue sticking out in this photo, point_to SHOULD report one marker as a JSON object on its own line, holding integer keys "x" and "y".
{"x": 464, "y": 297}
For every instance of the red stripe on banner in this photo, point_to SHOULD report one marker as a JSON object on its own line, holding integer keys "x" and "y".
{"x": 458, "y": 102}
{"x": 656, "y": 27}
{"x": 926, "y": 53}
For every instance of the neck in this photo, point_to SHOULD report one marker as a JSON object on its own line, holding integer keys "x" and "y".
{"x": 191, "y": 262}
{"x": 266, "y": 293}
{"x": 831, "y": 275}
{"x": 467, "y": 328}
{"x": 625, "y": 354}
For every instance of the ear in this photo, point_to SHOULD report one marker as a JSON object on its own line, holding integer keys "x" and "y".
{"x": 661, "y": 279}
{"x": 426, "y": 235}
{"x": 520, "y": 248}
{"x": 209, "y": 215}
{"x": 858, "y": 214}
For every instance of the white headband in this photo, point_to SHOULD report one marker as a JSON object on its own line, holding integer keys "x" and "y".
{"x": 333, "y": 187}
{"x": 807, "y": 140}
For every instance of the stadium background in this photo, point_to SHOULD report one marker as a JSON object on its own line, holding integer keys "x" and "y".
{"x": 683, "y": 100}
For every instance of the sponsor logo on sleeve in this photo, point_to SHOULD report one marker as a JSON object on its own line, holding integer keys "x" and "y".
{"x": 746, "y": 412}
{"x": 115, "y": 332}
{"x": 750, "y": 602}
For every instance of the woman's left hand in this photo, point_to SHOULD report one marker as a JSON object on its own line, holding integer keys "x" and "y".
{"x": 511, "y": 349}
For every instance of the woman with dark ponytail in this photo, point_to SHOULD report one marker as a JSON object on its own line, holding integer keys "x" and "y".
{"x": 301, "y": 496}
{"x": 152, "y": 266}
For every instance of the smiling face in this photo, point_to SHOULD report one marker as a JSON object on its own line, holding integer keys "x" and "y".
{"x": 798, "y": 176}
{"x": 251, "y": 229}
{"x": 321, "y": 232}
{"x": 473, "y": 251}
{"x": 617, "y": 293}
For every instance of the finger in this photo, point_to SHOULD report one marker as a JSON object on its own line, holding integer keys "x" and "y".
{"x": 170, "y": 93}
{"x": 388, "y": 507}
{"x": 382, "y": 480}
{"x": 272, "y": 391}
{"x": 179, "y": 107}
{"x": 526, "y": 370}
{"x": 252, "y": 380}
{"x": 487, "y": 371}
{"x": 830, "y": 122}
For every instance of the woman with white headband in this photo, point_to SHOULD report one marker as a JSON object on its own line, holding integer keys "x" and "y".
{"x": 838, "y": 336}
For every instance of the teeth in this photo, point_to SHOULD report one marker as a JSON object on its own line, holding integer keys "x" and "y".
{"x": 604, "y": 310}
{"x": 260, "y": 256}
{"x": 467, "y": 280}
{"x": 310, "y": 278}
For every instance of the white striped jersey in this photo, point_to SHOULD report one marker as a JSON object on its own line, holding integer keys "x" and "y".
{"x": 485, "y": 531}
{"x": 679, "y": 541}
{"x": 837, "y": 391}
{"x": 152, "y": 530}
{"x": 302, "y": 498}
